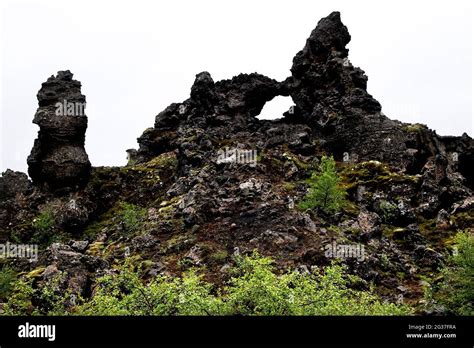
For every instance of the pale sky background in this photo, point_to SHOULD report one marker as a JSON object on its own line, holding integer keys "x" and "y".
{"x": 136, "y": 57}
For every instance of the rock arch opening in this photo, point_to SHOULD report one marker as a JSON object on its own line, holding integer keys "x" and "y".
{"x": 275, "y": 108}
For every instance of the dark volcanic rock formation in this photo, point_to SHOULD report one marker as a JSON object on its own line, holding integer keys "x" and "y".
{"x": 58, "y": 157}
{"x": 333, "y": 113}
{"x": 180, "y": 203}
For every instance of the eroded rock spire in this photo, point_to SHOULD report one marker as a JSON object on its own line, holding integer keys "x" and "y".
{"x": 58, "y": 158}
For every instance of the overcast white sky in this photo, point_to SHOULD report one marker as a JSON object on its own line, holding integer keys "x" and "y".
{"x": 135, "y": 57}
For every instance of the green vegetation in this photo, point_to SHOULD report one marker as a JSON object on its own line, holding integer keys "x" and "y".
{"x": 288, "y": 186}
{"x": 463, "y": 220}
{"x": 389, "y": 211}
{"x": 324, "y": 190}
{"x": 456, "y": 292}
{"x": 254, "y": 289}
{"x": 150, "y": 173}
{"x": 7, "y": 278}
{"x": 36, "y": 273}
{"x": 19, "y": 302}
{"x": 44, "y": 221}
{"x": 47, "y": 299}
{"x": 44, "y": 227}
{"x": 218, "y": 257}
{"x": 415, "y": 127}
{"x": 132, "y": 217}
{"x": 374, "y": 174}
{"x": 289, "y": 156}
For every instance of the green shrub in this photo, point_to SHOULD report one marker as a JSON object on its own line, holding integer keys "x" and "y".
{"x": 44, "y": 221}
{"x": 389, "y": 211}
{"x": 254, "y": 289}
{"x": 456, "y": 292}
{"x": 48, "y": 299}
{"x": 51, "y": 298}
{"x": 44, "y": 228}
{"x": 20, "y": 300}
{"x": 126, "y": 294}
{"x": 7, "y": 277}
{"x": 324, "y": 190}
{"x": 258, "y": 290}
{"x": 132, "y": 217}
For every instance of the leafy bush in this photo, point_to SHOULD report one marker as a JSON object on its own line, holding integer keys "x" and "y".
{"x": 19, "y": 302}
{"x": 44, "y": 226}
{"x": 456, "y": 292}
{"x": 129, "y": 216}
{"x": 324, "y": 190}
{"x": 44, "y": 221}
{"x": 48, "y": 299}
{"x": 388, "y": 210}
{"x": 132, "y": 217}
{"x": 7, "y": 277}
{"x": 258, "y": 290}
{"x": 254, "y": 289}
{"x": 125, "y": 294}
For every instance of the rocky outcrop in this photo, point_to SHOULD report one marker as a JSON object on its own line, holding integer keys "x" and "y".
{"x": 333, "y": 113}
{"x": 14, "y": 187}
{"x": 13, "y": 184}
{"x": 323, "y": 81}
{"x": 58, "y": 158}
{"x": 186, "y": 198}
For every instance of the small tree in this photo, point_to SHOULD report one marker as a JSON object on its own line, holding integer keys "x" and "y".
{"x": 456, "y": 292}
{"x": 7, "y": 277}
{"x": 324, "y": 191}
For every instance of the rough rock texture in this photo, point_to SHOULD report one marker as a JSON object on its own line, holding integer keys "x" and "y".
{"x": 331, "y": 100}
{"x": 179, "y": 203}
{"x": 58, "y": 157}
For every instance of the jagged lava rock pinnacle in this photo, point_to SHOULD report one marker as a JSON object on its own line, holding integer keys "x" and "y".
{"x": 58, "y": 158}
